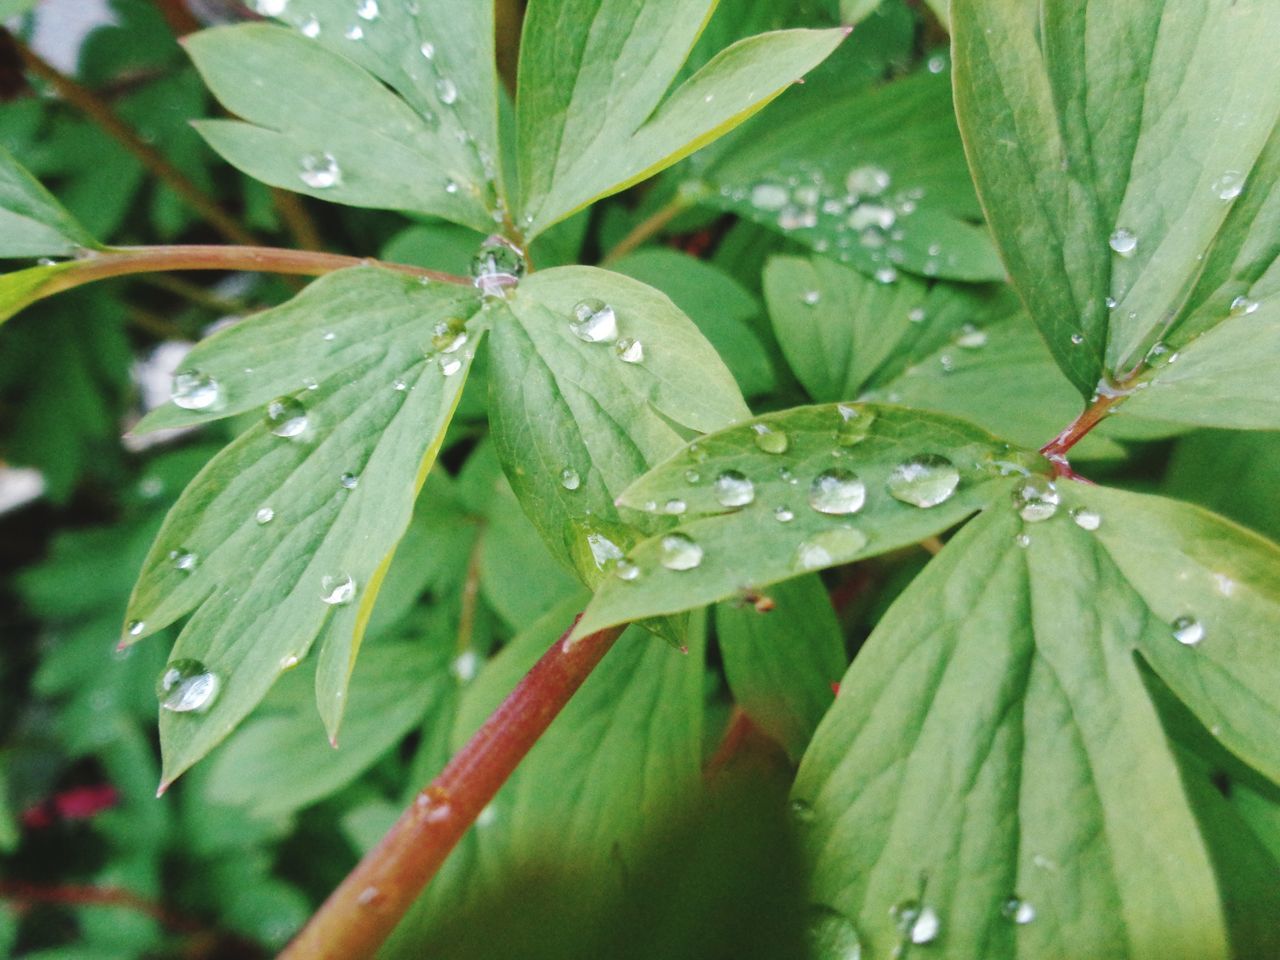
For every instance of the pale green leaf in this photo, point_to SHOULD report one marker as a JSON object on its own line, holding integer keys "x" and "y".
{"x": 14, "y": 8}
{"x": 994, "y": 739}
{"x": 592, "y": 118}
{"x": 314, "y": 115}
{"x": 355, "y": 350}
{"x": 32, "y": 222}
{"x": 1135, "y": 126}
{"x": 779, "y": 535}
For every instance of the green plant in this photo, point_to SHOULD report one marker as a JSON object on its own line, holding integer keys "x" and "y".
{"x": 1021, "y": 758}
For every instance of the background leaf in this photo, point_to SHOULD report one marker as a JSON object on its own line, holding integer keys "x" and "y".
{"x": 32, "y": 222}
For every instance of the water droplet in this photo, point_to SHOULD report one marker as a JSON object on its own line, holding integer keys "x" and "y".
{"x": 837, "y": 492}
{"x": 919, "y": 924}
{"x": 1036, "y": 499}
{"x": 855, "y": 425}
{"x": 447, "y": 91}
{"x": 271, "y": 8}
{"x": 311, "y": 383}
{"x": 497, "y": 265}
{"x": 569, "y": 479}
{"x": 626, "y": 569}
{"x": 886, "y": 275}
{"x": 450, "y": 365}
{"x": 465, "y": 666}
{"x": 1230, "y": 185}
{"x": 135, "y": 627}
{"x": 1077, "y": 338}
{"x": 830, "y": 547}
{"x": 184, "y": 560}
{"x": 924, "y": 480}
{"x": 832, "y": 936}
{"x": 675, "y": 507}
{"x": 629, "y": 350}
{"x": 1022, "y": 540}
{"x": 937, "y": 63}
{"x": 1018, "y": 910}
{"x": 399, "y": 384}
{"x": 802, "y": 811}
{"x": 971, "y": 337}
{"x": 1123, "y": 242}
{"x": 286, "y": 417}
{"x": 1187, "y": 630}
{"x": 1242, "y": 306}
{"x": 264, "y": 516}
{"x": 310, "y": 28}
{"x": 368, "y": 895}
{"x": 337, "y": 590}
{"x": 367, "y": 10}
{"x": 769, "y": 196}
{"x": 867, "y": 181}
{"x": 812, "y": 298}
{"x": 1086, "y": 519}
{"x": 769, "y": 440}
{"x": 187, "y": 686}
{"x": 449, "y": 336}
{"x": 428, "y": 50}
{"x": 349, "y": 481}
{"x": 594, "y": 321}
{"x": 733, "y": 489}
{"x": 354, "y": 32}
{"x": 193, "y": 390}
{"x": 320, "y": 171}
{"x": 784, "y": 514}
{"x": 916, "y": 315}
{"x": 680, "y": 552}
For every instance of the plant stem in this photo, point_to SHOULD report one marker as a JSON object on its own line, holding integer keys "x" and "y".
{"x": 1056, "y": 449}
{"x": 101, "y": 113}
{"x": 72, "y": 894}
{"x": 367, "y": 905}
{"x": 123, "y": 261}
{"x": 294, "y": 213}
{"x": 646, "y": 229}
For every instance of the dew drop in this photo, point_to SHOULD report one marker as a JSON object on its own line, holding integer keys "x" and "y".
{"x": 886, "y": 275}
{"x": 680, "y": 552}
{"x": 769, "y": 440}
{"x": 1123, "y": 242}
{"x": 320, "y": 171}
{"x": 1036, "y": 499}
{"x": 925, "y": 480}
{"x": 286, "y": 417}
{"x": 1187, "y": 630}
{"x": 569, "y": 479}
{"x": 310, "y": 28}
{"x": 1077, "y": 338}
{"x": 187, "y": 686}
{"x": 855, "y": 425}
{"x": 354, "y": 32}
{"x": 675, "y": 507}
{"x": 194, "y": 390}
{"x": 447, "y": 91}
{"x": 919, "y": 924}
{"x": 264, "y": 516}
{"x": 971, "y": 337}
{"x": 1086, "y": 519}
{"x": 367, "y": 10}
{"x": 271, "y": 8}
{"x": 594, "y": 321}
{"x": 1229, "y": 186}
{"x": 337, "y": 590}
{"x": 811, "y": 298}
{"x": 836, "y": 491}
{"x": 1018, "y": 910}
{"x": 1242, "y": 306}
{"x": 428, "y": 50}
{"x": 399, "y": 384}
{"x": 829, "y": 547}
{"x": 497, "y": 265}
{"x": 629, "y": 350}
{"x": 450, "y": 365}
{"x": 1022, "y": 540}
{"x": 832, "y": 936}
{"x": 465, "y": 666}
{"x": 692, "y": 476}
{"x": 916, "y": 315}
{"x": 349, "y": 481}
{"x": 802, "y": 810}
{"x": 184, "y": 560}
{"x": 769, "y": 196}
{"x": 733, "y": 489}
{"x": 449, "y": 336}
{"x": 135, "y": 627}
{"x": 784, "y": 514}
{"x": 626, "y": 570}
{"x": 867, "y": 181}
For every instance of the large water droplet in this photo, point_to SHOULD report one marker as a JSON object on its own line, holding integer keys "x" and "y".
{"x": 733, "y": 489}
{"x": 1036, "y": 499}
{"x": 769, "y": 440}
{"x": 337, "y": 590}
{"x": 320, "y": 171}
{"x": 1086, "y": 519}
{"x": 829, "y": 547}
{"x": 1187, "y": 630}
{"x": 1123, "y": 242}
{"x": 832, "y": 936}
{"x": 447, "y": 91}
{"x": 837, "y": 492}
{"x": 187, "y": 686}
{"x": 286, "y": 417}
{"x": 497, "y": 265}
{"x": 569, "y": 479}
{"x": 184, "y": 560}
{"x": 1018, "y": 910}
{"x": 925, "y": 480}
{"x": 594, "y": 321}
{"x": 680, "y": 552}
{"x": 193, "y": 390}
{"x": 629, "y": 350}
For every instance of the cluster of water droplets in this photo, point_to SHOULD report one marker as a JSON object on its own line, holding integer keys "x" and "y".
{"x": 593, "y": 321}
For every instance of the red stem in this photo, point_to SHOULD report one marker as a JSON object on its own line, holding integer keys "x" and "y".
{"x": 78, "y": 895}
{"x": 1056, "y": 449}
{"x": 367, "y": 905}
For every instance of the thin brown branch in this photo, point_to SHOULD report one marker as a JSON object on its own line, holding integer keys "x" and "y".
{"x": 102, "y": 114}
{"x": 80, "y": 895}
{"x": 297, "y": 219}
{"x": 646, "y": 229}
{"x": 470, "y": 595}
{"x": 365, "y": 908}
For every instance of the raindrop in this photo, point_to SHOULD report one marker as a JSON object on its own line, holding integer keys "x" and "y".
{"x": 1187, "y": 630}
{"x": 428, "y": 50}
{"x": 1077, "y": 338}
{"x": 1229, "y": 185}
{"x": 769, "y": 196}
{"x": 837, "y": 492}
{"x": 310, "y": 28}
{"x": 320, "y": 171}
{"x": 1242, "y": 306}
{"x": 498, "y": 264}
{"x": 1018, "y": 910}
{"x": 187, "y": 686}
{"x": 869, "y": 215}
{"x": 310, "y": 383}
{"x": 732, "y": 489}
{"x": 629, "y": 350}
{"x": 802, "y": 811}
{"x": 450, "y": 365}
{"x": 193, "y": 390}
{"x": 924, "y": 480}
{"x": 349, "y": 481}
{"x": 1022, "y": 540}
{"x": 937, "y": 63}
{"x": 812, "y": 298}
{"x": 271, "y": 8}
{"x": 368, "y": 10}
{"x": 135, "y": 627}
{"x": 1036, "y": 499}
{"x": 399, "y": 384}
{"x": 264, "y": 516}
{"x": 449, "y": 336}
{"x": 354, "y": 32}
{"x": 784, "y": 514}
{"x": 1086, "y": 519}
{"x": 919, "y": 924}
{"x": 287, "y": 417}
{"x": 855, "y": 424}
{"x": 769, "y": 440}
{"x": 692, "y": 476}
{"x": 594, "y": 321}
{"x": 832, "y": 936}
{"x": 465, "y": 666}
{"x": 680, "y": 552}
{"x": 447, "y": 91}
{"x": 626, "y": 570}
{"x": 971, "y": 337}
{"x": 368, "y": 895}
{"x": 675, "y": 507}
{"x": 569, "y": 479}
{"x": 867, "y": 181}
{"x": 886, "y": 275}
{"x": 1123, "y": 242}
{"x": 184, "y": 560}
{"x": 830, "y": 547}
{"x": 916, "y": 314}
{"x": 337, "y": 590}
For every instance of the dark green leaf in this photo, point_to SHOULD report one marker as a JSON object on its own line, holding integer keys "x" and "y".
{"x": 32, "y": 222}
{"x": 1232, "y": 473}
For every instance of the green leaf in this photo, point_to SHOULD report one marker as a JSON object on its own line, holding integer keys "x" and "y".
{"x": 875, "y": 179}
{"x": 8, "y": 825}
{"x": 1123, "y": 126}
{"x": 21, "y": 288}
{"x": 355, "y": 350}
{"x": 1230, "y": 472}
{"x": 574, "y": 424}
{"x": 15, "y": 8}
{"x": 280, "y": 761}
{"x": 32, "y": 222}
{"x": 994, "y": 739}
{"x": 592, "y": 118}
{"x": 327, "y": 119}
{"x": 781, "y": 664}
{"x": 778, "y": 535}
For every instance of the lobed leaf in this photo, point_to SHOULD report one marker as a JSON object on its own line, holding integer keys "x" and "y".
{"x": 356, "y": 351}
{"x": 32, "y": 222}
